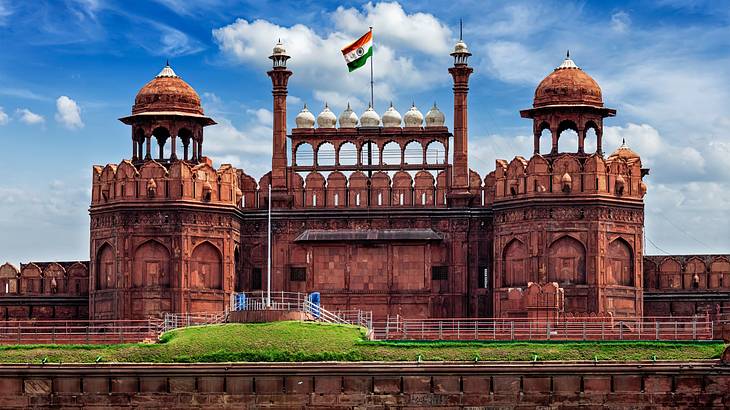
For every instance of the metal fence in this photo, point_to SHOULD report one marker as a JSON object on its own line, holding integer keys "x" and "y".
{"x": 178, "y": 320}
{"x": 78, "y": 331}
{"x": 397, "y": 328}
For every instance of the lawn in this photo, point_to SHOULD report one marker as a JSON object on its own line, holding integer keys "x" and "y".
{"x": 298, "y": 341}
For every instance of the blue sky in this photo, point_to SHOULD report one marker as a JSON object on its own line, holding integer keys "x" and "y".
{"x": 70, "y": 68}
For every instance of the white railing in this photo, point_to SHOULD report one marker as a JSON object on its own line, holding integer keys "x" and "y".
{"x": 667, "y": 329}
{"x": 178, "y": 320}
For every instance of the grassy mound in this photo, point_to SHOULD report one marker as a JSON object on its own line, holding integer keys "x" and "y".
{"x": 297, "y": 341}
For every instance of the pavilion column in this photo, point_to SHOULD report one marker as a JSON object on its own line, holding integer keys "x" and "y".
{"x": 555, "y": 136}
{"x": 149, "y": 148}
{"x": 173, "y": 152}
{"x": 134, "y": 149}
{"x": 195, "y": 150}
{"x": 581, "y": 140}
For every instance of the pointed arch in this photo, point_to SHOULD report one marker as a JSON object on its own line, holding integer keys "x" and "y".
{"x": 567, "y": 261}
{"x": 106, "y": 269}
{"x": 620, "y": 263}
{"x": 515, "y": 262}
{"x": 206, "y": 267}
{"x": 151, "y": 265}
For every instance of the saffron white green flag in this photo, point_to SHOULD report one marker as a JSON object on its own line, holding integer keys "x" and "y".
{"x": 357, "y": 53}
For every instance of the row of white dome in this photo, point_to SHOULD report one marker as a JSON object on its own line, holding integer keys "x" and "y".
{"x": 370, "y": 118}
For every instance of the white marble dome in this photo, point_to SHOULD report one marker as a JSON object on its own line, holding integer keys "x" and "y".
{"x": 413, "y": 117}
{"x": 391, "y": 117}
{"x": 461, "y": 47}
{"x": 348, "y": 118}
{"x": 370, "y": 118}
{"x": 305, "y": 119}
{"x": 434, "y": 117}
{"x": 326, "y": 119}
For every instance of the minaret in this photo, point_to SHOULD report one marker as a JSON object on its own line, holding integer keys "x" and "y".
{"x": 279, "y": 79}
{"x": 459, "y": 195}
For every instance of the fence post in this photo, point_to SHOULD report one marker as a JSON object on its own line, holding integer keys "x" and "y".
{"x": 494, "y": 330}
{"x": 458, "y": 330}
{"x": 694, "y": 328}
{"x": 405, "y": 330}
{"x": 512, "y": 330}
{"x": 675, "y": 329}
{"x": 656, "y": 329}
{"x": 584, "y": 330}
{"x": 476, "y": 330}
{"x": 441, "y": 331}
{"x": 423, "y": 324}
{"x": 621, "y": 330}
{"x": 603, "y": 330}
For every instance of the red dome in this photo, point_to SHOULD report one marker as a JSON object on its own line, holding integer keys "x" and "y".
{"x": 568, "y": 85}
{"x": 167, "y": 93}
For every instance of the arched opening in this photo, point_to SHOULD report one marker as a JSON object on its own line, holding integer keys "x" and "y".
{"x": 326, "y": 154}
{"x": 515, "y": 262}
{"x": 670, "y": 274}
{"x": 348, "y": 154}
{"x": 568, "y": 141}
{"x": 159, "y": 136}
{"x": 391, "y": 153}
{"x": 151, "y": 265}
{"x": 206, "y": 270}
{"x": 590, "y": 143}
{"x": 413, "y": 153}
{"x": 567, "y": 262}
{"x": 435, "y": 153}
{"x": 620, "y": 263}
{"x": 182, "y": 147}
{"x": 237, "y": 270}
{"x": 105, "y": 267}
{"x": 546, "y": 141}
{"x": 304, "y": 155}
{"x": 370, "y": 154}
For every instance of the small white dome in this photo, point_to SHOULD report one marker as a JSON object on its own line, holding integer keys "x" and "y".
{"x": 348, "y": 118}
{"x": 370, "y": 118}
{"x": 391, "y": 117}
{"x": 279, "y": 48}
{"x": 413, "y": 117}
{"x": 434, "y": 117}
{"x": 460, "y": 47}
{"x": 305, "y": 119}
{"x": 326, "y": 119}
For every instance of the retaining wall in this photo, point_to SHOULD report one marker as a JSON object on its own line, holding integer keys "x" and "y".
{"x": 369, "y": 385}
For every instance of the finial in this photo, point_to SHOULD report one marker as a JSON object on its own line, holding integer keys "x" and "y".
{"x": 391, "y": 104}
{"x": 325, "y": 105}
{"x": 348, "y": 106}
{"x": 167, "y": 62}
{"x": 623, "y": 141}
{"x": 461, "y": 29}
{"x": 413, "y": 103}
{"x": 305, "y": 106}
{"x": 567, "y": 55}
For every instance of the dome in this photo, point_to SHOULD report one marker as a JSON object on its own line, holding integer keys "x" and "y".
{"x": 391, "y": 117}
{"x": 568, "y": 85}
{"x": 326, "y": 119}
{"x": 167, "y": 93}
{"x": 370, "y": 118}
{"x": 460, "y": 47}
{"x": 305, "y": 119}
{"x": 348, "y": 118}
{"x": 279, "y": 49}
{"x": 434, "y": 117}
{"x": 624, "y": 152}
{"x": 413, "y": 117}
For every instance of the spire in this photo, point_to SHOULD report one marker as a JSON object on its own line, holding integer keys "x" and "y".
{"x": 567, "y": 55}
{"x": 461, "y": 30}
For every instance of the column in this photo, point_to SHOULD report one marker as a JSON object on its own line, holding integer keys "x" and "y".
{"x": 148, "y": 155}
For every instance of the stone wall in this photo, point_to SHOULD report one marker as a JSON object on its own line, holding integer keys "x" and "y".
{"x": 368, "y": 385}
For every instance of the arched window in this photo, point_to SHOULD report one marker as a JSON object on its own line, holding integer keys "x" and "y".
{"x": 567, "y": 262}
{"x": 370, "y": 154}
{"x": 620, "y": 263}
{"x": 348, "y": 154}
{"x": 568, "y": 141}
{"x": 159, "y": 136}
{"x": 590, "y": 144}
{"x": 206, "y": 270}
{"x": 325, "y": 154}
{"x": 151, "y": 265}
{"x": 391, "y": 153}
{"x": 435, "y": 153}
{"x": 413, "y": 153}
{"x": 515, "y": 264}
{"x": 105, "y": 267}
{"x": 304, "y": 155}
{"x": 546, "y": 141}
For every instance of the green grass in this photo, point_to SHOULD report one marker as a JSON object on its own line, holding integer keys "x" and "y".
{"x": 297, "y": 341}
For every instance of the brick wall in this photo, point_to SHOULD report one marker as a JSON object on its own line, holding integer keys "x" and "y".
{"x": 368, "y": 385}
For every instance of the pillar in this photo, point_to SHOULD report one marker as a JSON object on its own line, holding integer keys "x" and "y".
{"x": 581, "y": 140}
{"x": 149, "y": 148}
{"x": 555, "y": 136}
{"x": 173, "y": 141}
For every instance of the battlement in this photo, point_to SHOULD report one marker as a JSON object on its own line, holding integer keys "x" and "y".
{"x": 153, "y": 182}
{"x": 45, "y": 278}
{"x": 562, "y": 175}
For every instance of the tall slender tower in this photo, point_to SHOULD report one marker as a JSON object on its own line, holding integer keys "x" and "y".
{"x": 279, "y": 80}
{"x": 459, "y": 194}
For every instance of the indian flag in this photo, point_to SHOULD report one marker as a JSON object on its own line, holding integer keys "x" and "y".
{"x": 357, "y": 53}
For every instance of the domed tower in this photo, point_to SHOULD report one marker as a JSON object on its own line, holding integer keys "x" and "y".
{"x": 568, "y": 98}
{"x": 568, "y": 227}
{"x": 165, "y": 109}
{"x": 164, "y": 224}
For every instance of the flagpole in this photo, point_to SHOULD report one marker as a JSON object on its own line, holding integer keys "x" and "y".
{"x": 372, "y": 98}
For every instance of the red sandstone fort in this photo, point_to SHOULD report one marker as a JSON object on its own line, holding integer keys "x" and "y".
{"x": 376, "y": 213}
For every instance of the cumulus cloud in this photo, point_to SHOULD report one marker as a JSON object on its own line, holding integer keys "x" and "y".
{"x": 4, "y": 119}
{"x": 620, "y": 22}
{"x": 318, "y": 62}
{"x": 29, "y": 117}
{"x": 68, "y": 113}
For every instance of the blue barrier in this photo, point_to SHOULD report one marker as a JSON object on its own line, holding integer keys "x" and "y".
{"x": 315, "y": 303}
{"x": 240, "y": 301}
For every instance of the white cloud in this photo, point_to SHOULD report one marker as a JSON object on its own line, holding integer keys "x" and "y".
{"x": 29, "y": 117}
{"x": 620, "y": 22}
{"x": 68, "y": 113}
{"x": 317, "y": 61}
{"x": 5, "y": 12}
{"x": 3, "y": 117}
